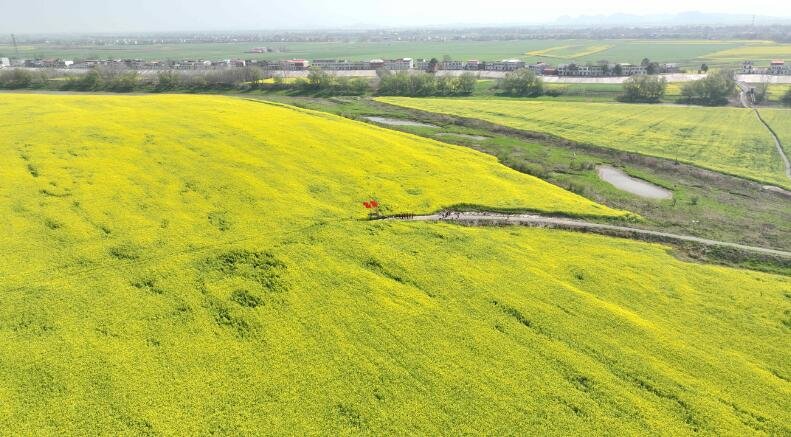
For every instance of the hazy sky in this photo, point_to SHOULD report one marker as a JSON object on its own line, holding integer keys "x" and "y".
{"x": 32, "y": 16}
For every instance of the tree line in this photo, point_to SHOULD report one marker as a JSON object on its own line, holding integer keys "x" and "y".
{"x": 317, "y": 82}
{"x": 715, "y": 89}
{"x": 712, "y": 90}
{"x": 122, "y": 80}
{"x": 422, "y": 84}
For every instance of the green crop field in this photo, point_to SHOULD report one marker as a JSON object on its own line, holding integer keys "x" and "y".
{"x": 776, "y": 91}
{"x": 570, "y": 51}
{"x": 756, "y": 52}
{"x": 584, "y": 91}
{"x": 185, "y": 265}
{"x": 731, "y": 140}
{"x": 287, "y": 50}
{"x": 590, "y": 92}
{"x": 780, "y": 121}
{"x": 690, "y": 53}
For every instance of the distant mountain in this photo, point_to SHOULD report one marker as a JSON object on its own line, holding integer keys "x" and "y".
{"x": 679, "y": 19}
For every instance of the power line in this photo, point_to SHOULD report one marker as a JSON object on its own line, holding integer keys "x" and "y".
{"x": 16, "y": 49}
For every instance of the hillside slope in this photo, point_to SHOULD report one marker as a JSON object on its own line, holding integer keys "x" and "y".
{"x": 729, "y": 140}
{"x": 193, "y": 265}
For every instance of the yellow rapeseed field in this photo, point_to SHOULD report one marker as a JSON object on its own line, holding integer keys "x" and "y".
{"x": 730, "y": 140}
{"x": 184, "y": 265}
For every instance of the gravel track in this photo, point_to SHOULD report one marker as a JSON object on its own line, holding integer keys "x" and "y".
{"x": 490, "y": 218}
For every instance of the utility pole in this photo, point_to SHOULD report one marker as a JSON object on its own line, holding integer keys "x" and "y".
{"x": 16, "y": 49}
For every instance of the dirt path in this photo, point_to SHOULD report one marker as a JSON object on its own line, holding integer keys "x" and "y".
{"x": 490, "y": 218}
{"x": 778, "y": 145}
{"x": 743, "y": 87}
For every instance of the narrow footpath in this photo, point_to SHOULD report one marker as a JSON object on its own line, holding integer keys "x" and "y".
{"x": 743, "y": 87}
{"x": 778, "y": 145}
{"x": 534, "y": 220}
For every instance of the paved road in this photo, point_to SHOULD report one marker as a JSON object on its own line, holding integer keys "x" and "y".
{"x": 573, "y": 224}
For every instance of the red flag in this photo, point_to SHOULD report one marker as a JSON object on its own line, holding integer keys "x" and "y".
{"x": 374, "y": 204}
{"x": 367, "y": 205}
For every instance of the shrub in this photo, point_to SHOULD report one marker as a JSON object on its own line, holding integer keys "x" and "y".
{"x": 713, "y": 89}
{"x": 522, "y": 83}
{"x": 15, "y": 79}
{"x": 167, "y": 80}
{"x": 122, "y": 82}
{"x": 643, "y": 88}
{"x": 83, "y": 82}
{"x": 425, "y": 84}
{"x": 760, "y": 92}
{"x": 786, "y": 99}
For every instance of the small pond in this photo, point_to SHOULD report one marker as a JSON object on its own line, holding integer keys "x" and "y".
{"x": 465, "y": 136}
{"x": 638, "y": 187}
{"x": 398, "y": 122}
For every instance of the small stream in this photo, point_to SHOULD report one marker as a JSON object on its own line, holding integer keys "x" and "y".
{"x": 638, "y": 187}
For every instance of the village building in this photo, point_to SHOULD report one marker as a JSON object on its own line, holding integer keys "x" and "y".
{"x": 399, "y": 64}
{"x": 538, "y": 67}
{"x": 632, "y": 70}
{"x": 473, "y": 64}
{"x": 377, "y": 64}
{"x": 235, "y": 63}
{"x": 341, "y": 65}
{"x": 422, "y": 64}
{"x": 505, "y": 65}
{"x": 451, "y": 65}
{"x": 776, "y": 67}
{"x": 779, "y": 67}
{"x": 580, "y": 70}
{"x": 296, "y": 64}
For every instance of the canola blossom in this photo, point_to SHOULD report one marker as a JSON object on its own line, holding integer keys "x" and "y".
{"x": 184, "y": 265}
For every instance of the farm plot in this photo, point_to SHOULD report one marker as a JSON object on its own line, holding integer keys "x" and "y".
{"x": 780, "y": 122}
{"x": 570, "y": 51}
{"x": 687, "y": 52}
{"x": 196, "y": 265}
{"x": 776, "y": 91}
{"x": 730, "y": 140}
{"x": 755, "y": 52}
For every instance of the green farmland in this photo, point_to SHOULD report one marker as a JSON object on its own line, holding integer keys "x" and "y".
{"x": 730, "y": 140}
{"x": 776, "y": 91}
{"x": 780, "y": 121}
{"x": 757, "y": 52}
{"x": 689, "y": 53}
{"x": 195, "y": 265}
